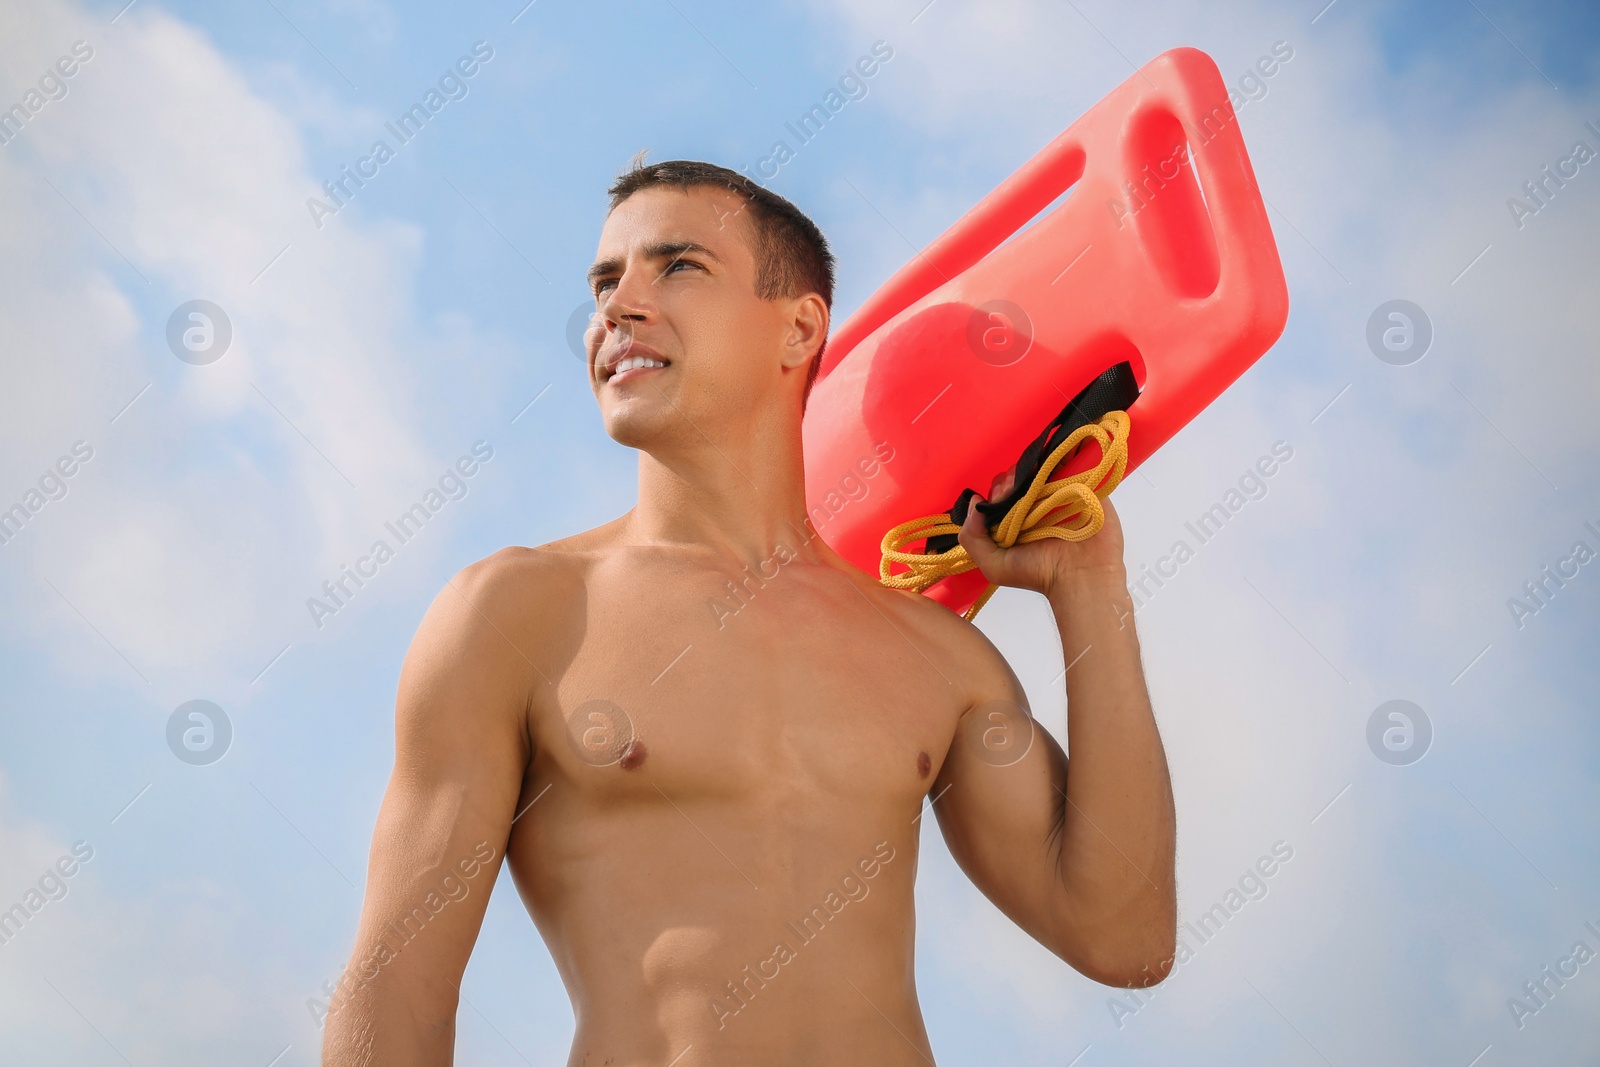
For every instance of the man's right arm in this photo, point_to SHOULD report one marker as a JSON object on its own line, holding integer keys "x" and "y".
{"x": 461, "y": 750}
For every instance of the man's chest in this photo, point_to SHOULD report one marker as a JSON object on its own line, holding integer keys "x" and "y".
{"x": 799, "y": 686}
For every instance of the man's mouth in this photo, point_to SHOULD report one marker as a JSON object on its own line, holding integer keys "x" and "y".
{"x": 636, "y": 359}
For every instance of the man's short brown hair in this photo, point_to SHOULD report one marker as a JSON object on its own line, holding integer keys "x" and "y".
{"x": 792, "y": 257}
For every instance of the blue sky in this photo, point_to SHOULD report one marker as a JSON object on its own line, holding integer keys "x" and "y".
{"x": 372, "y": 352}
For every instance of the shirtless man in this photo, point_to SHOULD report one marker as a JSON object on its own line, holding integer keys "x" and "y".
{"x": 712, "y": 814}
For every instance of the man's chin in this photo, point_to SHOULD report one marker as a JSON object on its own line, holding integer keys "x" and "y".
{"x": 631, "y": 425}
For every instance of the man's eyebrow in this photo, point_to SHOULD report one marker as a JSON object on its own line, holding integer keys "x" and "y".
{"x": 674, "y": 249}
{"x": 660, "y": 250}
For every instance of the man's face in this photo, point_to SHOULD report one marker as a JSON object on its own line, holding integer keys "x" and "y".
{"x": 674, "y": 282}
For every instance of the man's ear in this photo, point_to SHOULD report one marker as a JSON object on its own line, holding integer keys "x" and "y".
{"x": 808, "y": 329}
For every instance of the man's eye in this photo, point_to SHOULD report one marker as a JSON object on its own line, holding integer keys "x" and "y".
{"x": 604, "y": 284}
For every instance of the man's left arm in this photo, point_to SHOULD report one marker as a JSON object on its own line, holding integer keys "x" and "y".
{"x": 1084, "y": 862}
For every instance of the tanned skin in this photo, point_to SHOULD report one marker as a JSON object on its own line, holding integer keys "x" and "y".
{"x": 720, "y": 853}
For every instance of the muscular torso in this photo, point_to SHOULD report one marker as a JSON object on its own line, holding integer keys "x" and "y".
{"x": 718, "y": 828}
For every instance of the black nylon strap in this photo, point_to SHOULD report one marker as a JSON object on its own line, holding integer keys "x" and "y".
{"x": 1115, "y": 390}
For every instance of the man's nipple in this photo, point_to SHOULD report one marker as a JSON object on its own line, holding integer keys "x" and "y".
{"x": 924, "y": 765}
{"x": 634, "y": 755}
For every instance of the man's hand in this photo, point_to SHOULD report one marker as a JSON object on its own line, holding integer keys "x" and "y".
{"x": 1037, "y": 565}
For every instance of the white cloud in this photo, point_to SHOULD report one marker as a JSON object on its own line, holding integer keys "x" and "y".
{"x": 220, "y": 500}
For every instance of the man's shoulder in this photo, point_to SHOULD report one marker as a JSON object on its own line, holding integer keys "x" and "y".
{"x": 951, "y": 638}
{"x": 517, "y": 577}
{"x": 498, "y": 628}
{"x": 527, "y": 597}
{"x": 518, "y": 568}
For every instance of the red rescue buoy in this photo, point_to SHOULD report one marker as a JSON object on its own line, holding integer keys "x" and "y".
{"x": 1160, "y": 256}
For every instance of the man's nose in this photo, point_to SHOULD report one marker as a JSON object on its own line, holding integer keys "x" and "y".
{"x": 630, "y": 302}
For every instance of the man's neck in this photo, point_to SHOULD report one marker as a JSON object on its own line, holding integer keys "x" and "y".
{"x": 740, "y": 500}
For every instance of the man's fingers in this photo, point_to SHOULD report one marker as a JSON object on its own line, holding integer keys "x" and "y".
{"x": 974, "y": 537}
{"x": 1003, "y": 484}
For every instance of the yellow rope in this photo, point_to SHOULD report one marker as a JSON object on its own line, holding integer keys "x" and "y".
{"x": 1075, "y": 499}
